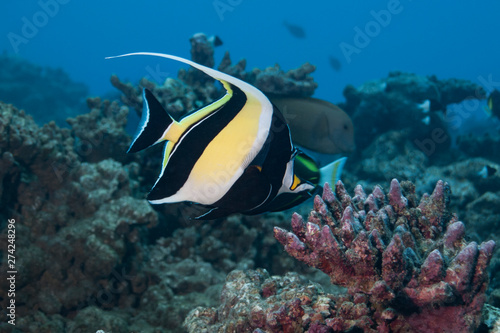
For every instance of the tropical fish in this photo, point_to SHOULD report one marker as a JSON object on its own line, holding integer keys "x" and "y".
{"x": 425, "y": 106}
{"x": 487, "y": 171}
{"x": 307, "y": 168}
{"x": 493, "y": 108}
{"x": 295, "y": 30}
{"x": 431, "y": 105}
{"x": 213, "y": 40}
{"x": 316, "y": 124}
{"x": 335, "y": 63}
{"x": 426, "y": 120}
{"x": 234, "y": 155}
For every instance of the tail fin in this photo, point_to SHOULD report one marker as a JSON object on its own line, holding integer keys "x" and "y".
{"x": 331, "y": 173}
{"x": 154, "y": 123}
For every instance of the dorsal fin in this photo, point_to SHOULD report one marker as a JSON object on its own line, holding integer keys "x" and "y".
{"x": 245, "y": 87}
{"x": 154, "y": 123}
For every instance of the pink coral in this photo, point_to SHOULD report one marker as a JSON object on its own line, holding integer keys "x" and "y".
{"x": 411, "y": 260}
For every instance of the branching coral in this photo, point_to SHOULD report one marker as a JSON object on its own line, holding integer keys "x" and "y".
{"x": 409, "y": 259}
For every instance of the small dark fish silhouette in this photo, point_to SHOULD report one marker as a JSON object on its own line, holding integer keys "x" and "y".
{"x": 335, "y": 63}
{"x": 295, "y": 30}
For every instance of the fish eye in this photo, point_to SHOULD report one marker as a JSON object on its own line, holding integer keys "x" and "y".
{"x": 346, "y": 127}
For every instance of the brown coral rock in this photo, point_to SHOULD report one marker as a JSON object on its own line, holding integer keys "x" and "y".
{"x": 101, "y": 132}
{"x": 253, "y": 301}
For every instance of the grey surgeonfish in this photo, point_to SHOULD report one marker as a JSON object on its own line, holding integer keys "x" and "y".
{"x": 234, "y": 155}
{"x": 317, "y": 125}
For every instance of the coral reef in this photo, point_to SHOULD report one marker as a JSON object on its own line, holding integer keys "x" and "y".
{"x": 45, "y": 93}
{"x": 94, "y": 255}
{"x": 491, "y": 319}
{"x": 397, "y": 98}
{"x": 175, "y": 95}
{"x": 202, "y": 52}
{"x": 273, "y": 80}
{"x": 406, "y": 264}
{"x": 76, "y": 220}
{"x": 253, "y": 301}
{"x": 481, "y": 145}
{"x": 409, "y": 259}
{"x": 395, "y": 155}
{"x": 383, "y": 158}
{"x": 91, "y": 250}
{"x": 101, "y": 132}
{"x": 202, "y": 49}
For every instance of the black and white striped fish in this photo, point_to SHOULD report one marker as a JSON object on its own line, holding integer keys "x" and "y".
{"x": 234, "y": 155}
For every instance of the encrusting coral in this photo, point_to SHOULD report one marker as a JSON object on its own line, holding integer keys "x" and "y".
{"x": 409, "y": 259}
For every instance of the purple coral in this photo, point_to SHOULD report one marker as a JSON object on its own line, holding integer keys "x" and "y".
{"x": 410, "y": 260}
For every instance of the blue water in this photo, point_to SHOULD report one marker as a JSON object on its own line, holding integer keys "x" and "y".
{"x": 446, "y": 38}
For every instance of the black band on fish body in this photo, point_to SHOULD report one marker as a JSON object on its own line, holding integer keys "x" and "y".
{"x": 249, "y": 191}
{"x": 271, "y": 162}
{"x": 279, "y": 152}
{"x": 190, "y": 147}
